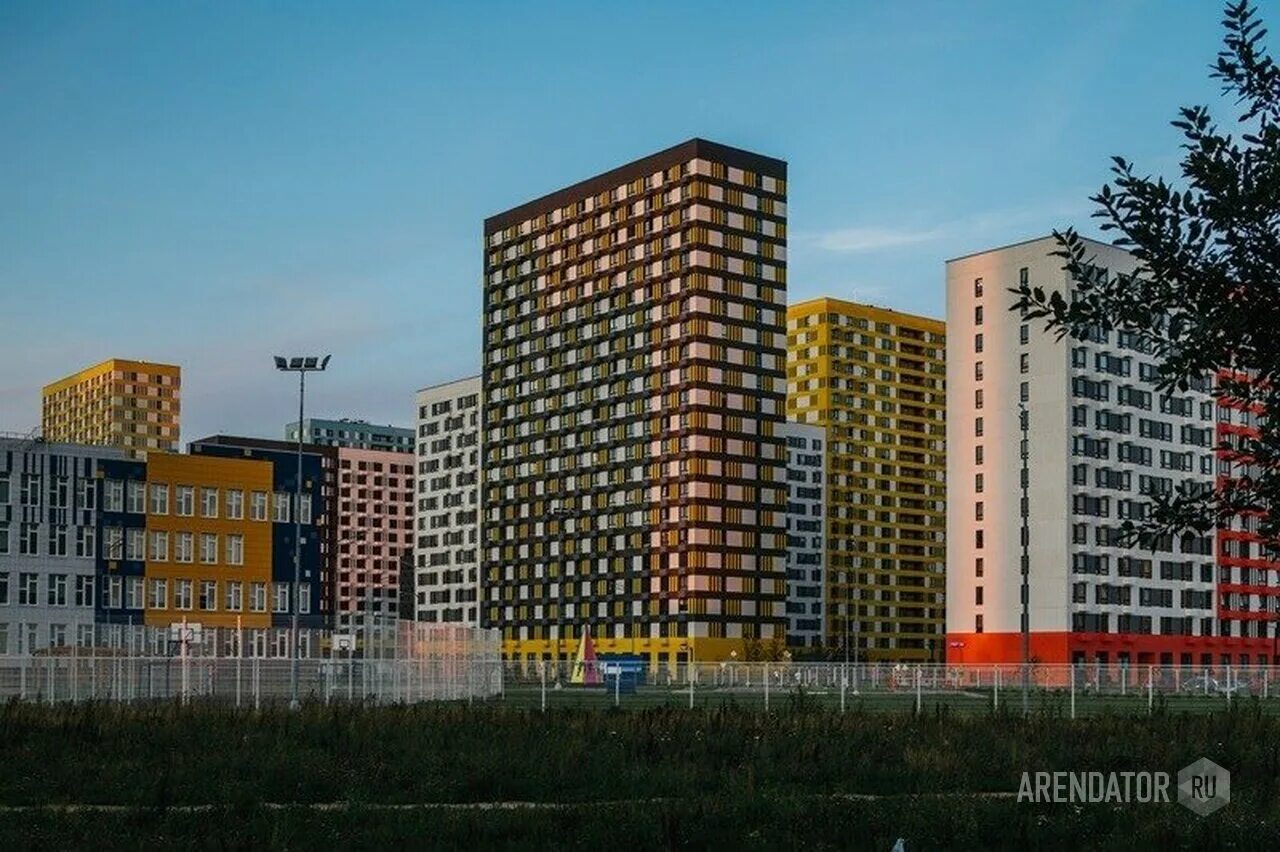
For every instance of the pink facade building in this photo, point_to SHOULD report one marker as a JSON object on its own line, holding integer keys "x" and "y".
{"x": 374, "y": 536}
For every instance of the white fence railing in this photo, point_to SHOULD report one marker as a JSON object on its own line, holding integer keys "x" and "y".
{"x": 403, "y": 661}
{"x": 1069, "y": 687}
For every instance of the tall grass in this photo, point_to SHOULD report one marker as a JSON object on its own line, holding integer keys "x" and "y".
{"x": 162, "y": 755}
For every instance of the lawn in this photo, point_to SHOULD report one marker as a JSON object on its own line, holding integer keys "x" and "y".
{"x": 800, "y": 776}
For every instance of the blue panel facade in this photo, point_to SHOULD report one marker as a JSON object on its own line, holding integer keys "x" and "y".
{"x": 111, "y": 562}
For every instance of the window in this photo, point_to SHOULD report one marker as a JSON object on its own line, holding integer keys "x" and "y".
{"x": 58, "y": 540}
{"x": 977, "y": 398}
{"x": 235, "y": 549}
{"x": 182, "y": 594}
{"x": 977, "y": 454}
{"x": 281, "y": 505}
{"x": 135, "y": 544}
{"x": 184, "y": 547}
{"x": 1024, "y": 363}
{"x": 4, "y": 538}
{"x": 137, "y": 497}
{"x": 977, "y": 315}
{"x": 235, "y": 595}
{"x": 85, "y": 540}
{"x": 978, "y": 482}
{"x": 28, "y": 589}
{"x": 258, "y": 506}
{"x": 305, "y": 512}
{"x": 56, "y": 584}
{"x": 208, "y": 548}
{"x": 235, "y": 505}
{"x": 280, "y": 596}
{"x": 304, "y": 600}
{"x": 978, "y": 510}
{"x": 186, "y": 500}
{"x": 208, "y": 595}
{"x": 258, "y": 597}
{"x": 133, "y": 593}
{"x": 84, "y": 590}
{"x": 977, "y": 288}
{"x": 159, "y": 546}
{"x": 977, "y": 370}
{"x": 977, "y": 342}
{"x": 113, "y": 497}
{"x": 159, "y": 498}
{"x": 113, "y": 542}
{"x": 1024, "y": 391}
{"x": 4, "y": 488}
{"x": 159, "y": 594}
{"x": 208, "y": 502}
{"x": 1024, "y": 334}
{"x": 977, "y": 426}
{"x": 115, "y": 592}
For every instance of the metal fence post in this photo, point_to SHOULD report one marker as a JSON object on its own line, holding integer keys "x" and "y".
{"x": 766, "y": 687}
{"x": 919, "y": 705}
{"x": 995, "y": 693}
{"x": 542, "y": 668}
{"x": 1150, "y": 690}
{"x": 1073, "y": 691}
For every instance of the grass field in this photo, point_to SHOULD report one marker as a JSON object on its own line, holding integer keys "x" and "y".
{"x": 498, "y": 776}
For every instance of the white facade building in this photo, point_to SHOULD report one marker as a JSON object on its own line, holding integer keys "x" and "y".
{"x": 806, "y": 530}
{"x": 447, "y": 534}
{"x": 1100, "y": 441}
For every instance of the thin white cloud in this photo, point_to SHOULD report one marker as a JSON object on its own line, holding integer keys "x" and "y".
{"x": 858, "y": 240}
{"x": 872, "y": 238}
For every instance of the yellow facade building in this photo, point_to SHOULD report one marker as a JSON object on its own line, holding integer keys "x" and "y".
{"x": 130, "y": 404}
{"x": 875, "y": 379}
{"x": 208, "y": 541}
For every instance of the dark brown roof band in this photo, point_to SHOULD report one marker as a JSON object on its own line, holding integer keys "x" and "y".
{"x": 685, "y": 151}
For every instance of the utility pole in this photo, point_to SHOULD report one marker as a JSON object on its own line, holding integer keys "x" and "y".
{"x": 1024, "y": 450}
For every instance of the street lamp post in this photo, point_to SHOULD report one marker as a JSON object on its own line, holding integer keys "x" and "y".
{"x": 301, "y": 366}
{"x": 1024, "y": 451}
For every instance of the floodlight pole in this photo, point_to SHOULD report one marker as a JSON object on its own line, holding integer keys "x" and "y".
{"x": 301, "y": 366}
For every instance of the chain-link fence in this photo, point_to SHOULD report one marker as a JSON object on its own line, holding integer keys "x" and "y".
{"x": 1069, "y": 689}
{"x": 398, "y": 661}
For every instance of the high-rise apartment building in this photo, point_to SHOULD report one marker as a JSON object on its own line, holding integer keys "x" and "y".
{"x": 875, "y": 380}
{"x": 49, "y": 530}
{"x": 806, "y": 545}
{"x": 375, "y": 534}
{"x": 447, "y": 545}
{"x": 354, "y": 434}
{"x": 634, "y": 354}
{"x": 1100, "y": 442}
{"x": 130, "y": 404}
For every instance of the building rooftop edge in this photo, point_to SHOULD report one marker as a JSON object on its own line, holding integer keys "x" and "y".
{"x": 472, "y": 378}
{"x": 1028, "y": 241}
{"x": 686, "y": 150}
{"x": 865, "y": 305}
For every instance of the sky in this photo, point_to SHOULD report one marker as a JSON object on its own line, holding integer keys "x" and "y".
{"x": 211, "y": 183}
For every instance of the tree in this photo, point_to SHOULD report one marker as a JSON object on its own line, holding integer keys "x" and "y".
{"x": 1206, "y": 296}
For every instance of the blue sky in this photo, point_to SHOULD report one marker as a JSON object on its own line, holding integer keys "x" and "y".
{"x": 211, "y": 183}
